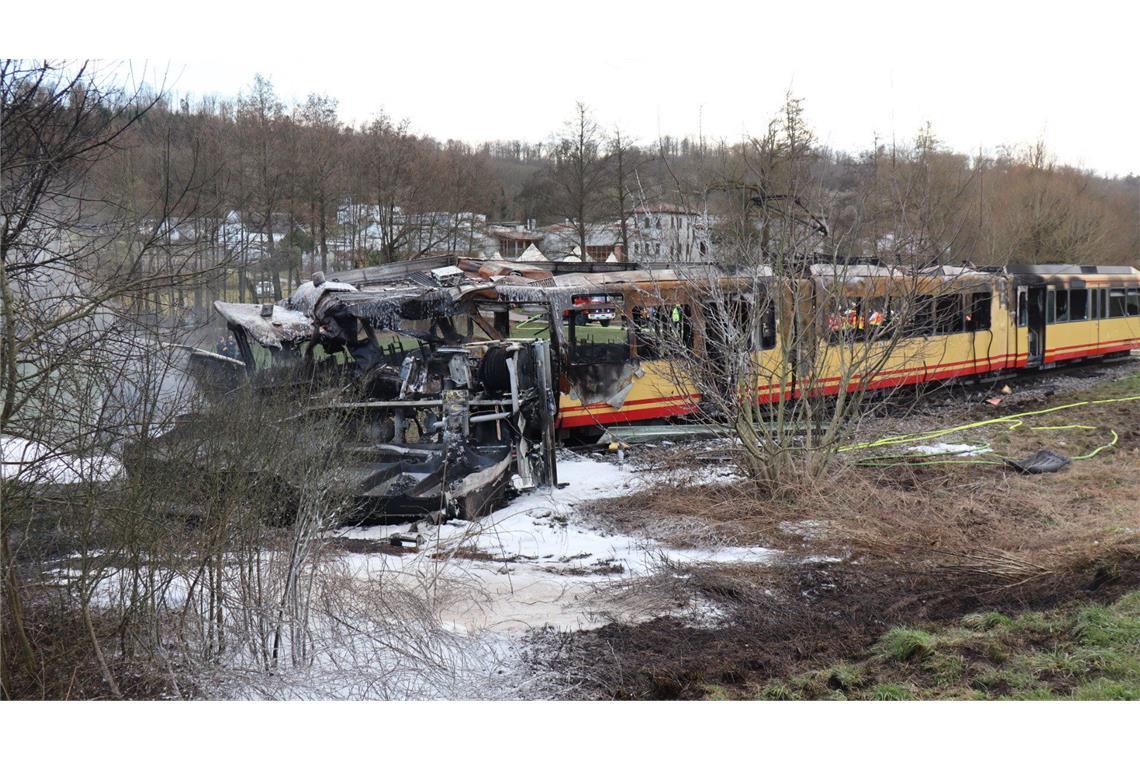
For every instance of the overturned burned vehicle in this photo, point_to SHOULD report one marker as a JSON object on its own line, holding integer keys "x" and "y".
{"x": 442, "y": 412}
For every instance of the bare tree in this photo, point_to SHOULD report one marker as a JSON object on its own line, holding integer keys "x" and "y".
{"x": 580, "y": 171}
{"x": 625, "y": 158}
{"x": 322, "y": 154}
{"x": 391, "y": 156}
{"x": 262, "y": 124}
{"x": 77, "y": 255}
{"x": 1042, "y": 213}
{"x": 791, "y": 339}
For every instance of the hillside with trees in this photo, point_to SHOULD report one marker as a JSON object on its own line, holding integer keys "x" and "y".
{"x": 287, "y": 166}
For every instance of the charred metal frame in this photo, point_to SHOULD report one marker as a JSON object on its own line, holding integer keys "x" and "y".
{"x": 443, "y": 428}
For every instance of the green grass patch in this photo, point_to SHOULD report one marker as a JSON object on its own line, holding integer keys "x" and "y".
{"x": 1125, "y": 386}
{"x": 779, "y": 691}
{"x": 905, "y": 644}
{"x": 985, "y": 621}
{"x": 716, "y": 693}
{"x": 1115, "y": 628}
{"x": 947, "y": 669}
{"x": 846, "y": 676}
{"x": 891, "y": 692}
{"x": 1103, "y": 689}
{"x": 1086, "y": 652}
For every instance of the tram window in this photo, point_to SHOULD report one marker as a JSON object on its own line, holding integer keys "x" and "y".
{"x": 865, "y": 319}
{"x": 263, "y": 358}
{"x": 1062, "y": 306}
{"x": 659, "y": 327}
{"x": 1133, "y": 305}
{"x": 1078, "y": 304}
{"x": 843, "y": 323}
{"x": 922, "y": 321}
{"x": 395, "y": 344}
{"x": 1116, "y": 303}
{"x": 682, "y": 318}
{"x": 1094, "y": 304}
{"x": 533, "y": 321}
{"x": 1050, "y": 307}
{"x": 741, "y": 311}
{"x": 978, "y": 318}
{"x": 1022, "y": 309}
{"x": 768, "y": 328}
{"x": 1104, "y": 303}
{"x": 948, "y": 315}
{"x": 726, "y": 325}
{"x": 599, "y": 332}
{"x": 647, "y": 327}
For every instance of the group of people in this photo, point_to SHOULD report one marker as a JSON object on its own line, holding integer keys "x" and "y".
{"x": 854, "y": 318}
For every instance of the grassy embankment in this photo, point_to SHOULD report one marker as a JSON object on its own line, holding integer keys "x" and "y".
{"x": 1077, "y": 651}
{"x": 1089, "y": 651}
{"x": 957, "y": 580}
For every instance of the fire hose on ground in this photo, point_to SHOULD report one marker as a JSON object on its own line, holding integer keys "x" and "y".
{"x": 1043, "y": 461}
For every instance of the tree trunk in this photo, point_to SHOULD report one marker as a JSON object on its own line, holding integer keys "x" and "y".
{"x": 14, "y": 616}
{"x": 110, "y": 679}
{"x": 271, "y": 265}
{"x": 324, "y": 242}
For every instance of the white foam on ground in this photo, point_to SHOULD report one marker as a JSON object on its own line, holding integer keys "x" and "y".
{"x": 478, "y": 586}
{"x": 535, "y": 562}
{"x": 956, "y": 449}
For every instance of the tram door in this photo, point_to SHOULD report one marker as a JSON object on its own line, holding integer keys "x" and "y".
{"x": 1031, "y": 314}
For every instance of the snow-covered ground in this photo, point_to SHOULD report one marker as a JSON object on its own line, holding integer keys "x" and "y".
{"x": 534, "y": 562}
{"x": 28, "y": 461}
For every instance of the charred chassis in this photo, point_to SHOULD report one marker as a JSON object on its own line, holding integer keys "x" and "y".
{"x": 435, "y": 421}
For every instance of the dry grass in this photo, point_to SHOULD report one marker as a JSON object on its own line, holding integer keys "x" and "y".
{"x": 964, "y": 518}
{"x": 923, "y": 545}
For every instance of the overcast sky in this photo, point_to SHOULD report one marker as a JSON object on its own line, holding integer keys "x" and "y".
{"x": 984, "y": 74}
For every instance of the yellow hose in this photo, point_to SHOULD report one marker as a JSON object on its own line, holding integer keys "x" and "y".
{"x": 1014, "y": 420}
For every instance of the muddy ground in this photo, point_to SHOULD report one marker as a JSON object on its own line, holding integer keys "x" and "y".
{"x": 871, "y": 549}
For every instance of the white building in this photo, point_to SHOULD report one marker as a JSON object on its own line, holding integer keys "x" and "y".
{"x": 665, "y": 232}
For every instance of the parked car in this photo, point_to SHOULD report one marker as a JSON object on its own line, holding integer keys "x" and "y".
{"x": 602, "y": 309}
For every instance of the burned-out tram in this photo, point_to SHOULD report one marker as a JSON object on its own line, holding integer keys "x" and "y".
{"x": 959, "y": 323}
{"x": 468, "y": 371}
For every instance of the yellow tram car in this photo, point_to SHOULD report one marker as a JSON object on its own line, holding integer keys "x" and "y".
{"x": 966, "y": 323}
